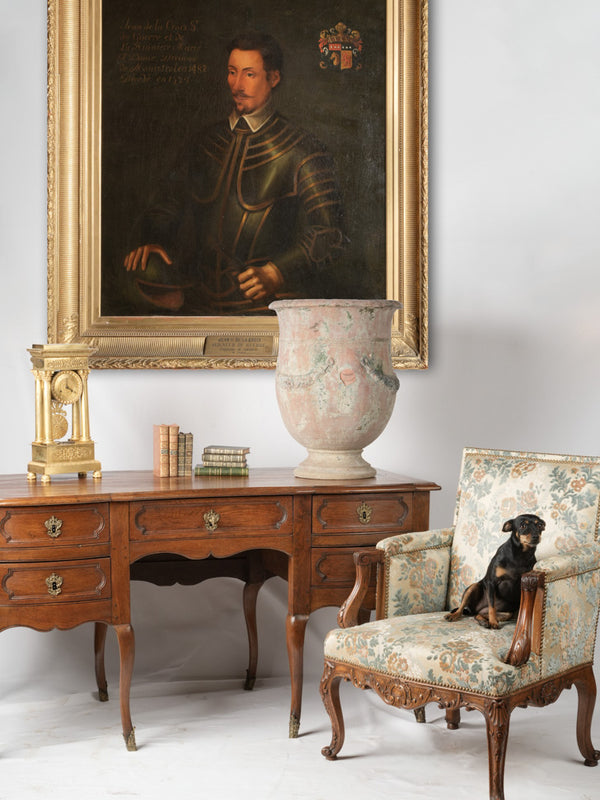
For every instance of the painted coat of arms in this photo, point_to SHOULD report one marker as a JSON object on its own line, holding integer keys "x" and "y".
{"x": 340, "y": 48}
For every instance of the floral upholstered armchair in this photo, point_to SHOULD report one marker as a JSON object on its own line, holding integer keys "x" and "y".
{"x": 410, "y": 655}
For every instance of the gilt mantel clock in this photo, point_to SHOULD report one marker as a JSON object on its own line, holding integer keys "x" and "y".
{"x": 61, "y": 383}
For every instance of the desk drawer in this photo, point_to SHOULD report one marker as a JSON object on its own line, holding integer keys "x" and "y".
{"x": 215, "y": 517}
{"x": 54, "y": 582}
{"x": 335, "y": 566}
{"x": 51, "y": 526}
{"x": 373, "y": 515}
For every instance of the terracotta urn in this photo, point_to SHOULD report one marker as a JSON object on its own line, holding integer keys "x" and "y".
{"x": 335, "y": 382}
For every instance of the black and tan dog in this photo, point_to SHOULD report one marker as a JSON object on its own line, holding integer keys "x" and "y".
{"x": 497, "y": 596}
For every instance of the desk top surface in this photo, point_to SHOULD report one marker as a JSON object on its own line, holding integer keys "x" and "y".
{"x": 136, "y": 485}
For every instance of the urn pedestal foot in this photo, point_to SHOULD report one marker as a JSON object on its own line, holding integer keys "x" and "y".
{"x": 334, "y": 465}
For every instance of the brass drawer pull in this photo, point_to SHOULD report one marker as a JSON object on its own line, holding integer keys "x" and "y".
{"x": 364, "y": 512}
{"x": 211, "y": 520}
{"x": 54, "y": 583}
{"x": 53, "y": 527}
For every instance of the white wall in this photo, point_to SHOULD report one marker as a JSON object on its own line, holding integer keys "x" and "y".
{"x": 514, "y": 291}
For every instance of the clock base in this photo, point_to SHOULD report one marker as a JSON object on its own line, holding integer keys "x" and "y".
{"x": 63, "y": 458}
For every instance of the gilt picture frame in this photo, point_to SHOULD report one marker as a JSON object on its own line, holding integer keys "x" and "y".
{"x": 98, "y": 61}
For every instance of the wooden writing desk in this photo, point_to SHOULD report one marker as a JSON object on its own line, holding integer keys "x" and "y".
{"x": 69, "y": 549}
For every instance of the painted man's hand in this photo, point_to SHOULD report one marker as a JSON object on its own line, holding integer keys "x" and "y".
{"x": 139, "y": 256}
{"x": 259, "y": 282}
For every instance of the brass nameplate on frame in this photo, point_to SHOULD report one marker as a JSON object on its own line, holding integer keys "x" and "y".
{"x": 248, "y": 346}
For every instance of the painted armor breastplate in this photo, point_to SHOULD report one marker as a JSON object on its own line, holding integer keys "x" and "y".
{"x": 269, "y": 196}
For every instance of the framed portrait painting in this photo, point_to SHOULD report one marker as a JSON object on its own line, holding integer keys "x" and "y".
{"x": 206, "y": 158}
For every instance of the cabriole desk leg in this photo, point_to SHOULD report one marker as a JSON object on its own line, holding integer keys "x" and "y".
{"x": 127, "y": 653}
{"x": 295, "y": 629}
{"x": 249, "y": 599}
{"x": 100, "y": 629}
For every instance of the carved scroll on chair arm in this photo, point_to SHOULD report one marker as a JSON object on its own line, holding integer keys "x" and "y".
{"x": 520, "y": 648}
{"x": 350, "y": 609}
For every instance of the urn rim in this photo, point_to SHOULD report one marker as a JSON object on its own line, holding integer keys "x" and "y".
{"x": 276, "y": 305}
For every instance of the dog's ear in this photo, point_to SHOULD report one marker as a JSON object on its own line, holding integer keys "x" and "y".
{"x": 542, "y": 524}
{"x": 509, "y": 525}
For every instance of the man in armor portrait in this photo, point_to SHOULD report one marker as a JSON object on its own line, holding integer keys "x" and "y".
{"x": 251, "y": 212}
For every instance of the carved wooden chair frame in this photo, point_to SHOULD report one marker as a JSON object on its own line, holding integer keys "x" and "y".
{"x": 410, "y": 694}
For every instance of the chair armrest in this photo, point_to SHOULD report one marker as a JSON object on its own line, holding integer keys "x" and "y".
{"x": 411, "y": 542}
{"x": 520, "y": 648}
{"x": 349, "y": 612}
{"x": 581, "y": 559}
{"x": 537, "y": 610}
{"x": 415, "y": 573}
{"x": 404, "y": 553}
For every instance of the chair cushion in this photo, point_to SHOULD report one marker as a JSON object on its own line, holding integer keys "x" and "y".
{"x": 497, "y": 485}
{"x": 424, "y": 647}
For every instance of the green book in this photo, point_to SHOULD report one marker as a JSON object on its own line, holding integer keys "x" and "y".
{"x": 222, "y": 471}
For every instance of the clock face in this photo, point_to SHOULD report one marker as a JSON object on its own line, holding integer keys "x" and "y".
{"x": 67, "y": 387}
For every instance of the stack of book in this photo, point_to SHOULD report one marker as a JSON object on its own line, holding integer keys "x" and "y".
{"x": 223, "y": 460}
{"x": 173, "y": 452}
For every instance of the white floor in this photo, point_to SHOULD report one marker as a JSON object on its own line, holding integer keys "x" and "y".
{"x": 214, "y": 740}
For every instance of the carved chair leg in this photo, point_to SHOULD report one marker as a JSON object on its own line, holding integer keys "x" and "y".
{"x": 100, "y": 629}
{"x": 586, "y": 692}
{"x": 249, "y": 600}
{"x": 127, "y": 654}
{"x": 497, "y": 719}
{"x": 453, "y": 719}
{"x": 330, "y": 694}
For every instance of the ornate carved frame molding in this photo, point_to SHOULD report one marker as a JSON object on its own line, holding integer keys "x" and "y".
{"x": 74, "y": 223}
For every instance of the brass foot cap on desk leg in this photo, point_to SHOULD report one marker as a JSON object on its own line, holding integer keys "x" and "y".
{"x": 294, "y": 726}
{"x": 103, "y": 695}
{"x": 130, "y": 740}
{"x": 249, "y": 682}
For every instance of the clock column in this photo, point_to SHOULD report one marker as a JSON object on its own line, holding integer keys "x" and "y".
{"x": 83, "y": 409}
{"x": 43, "y": 425}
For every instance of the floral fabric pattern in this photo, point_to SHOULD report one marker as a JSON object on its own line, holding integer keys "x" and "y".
{"x": 407, "y": 542}
{"x": 571, "y": 609}
{"x": 417, "y": 568}
{"x": 497, "y": 485}
{"x": 583, "y": 559}
{"x": 424, "y": 647}
{"x": 427, "y": 572}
